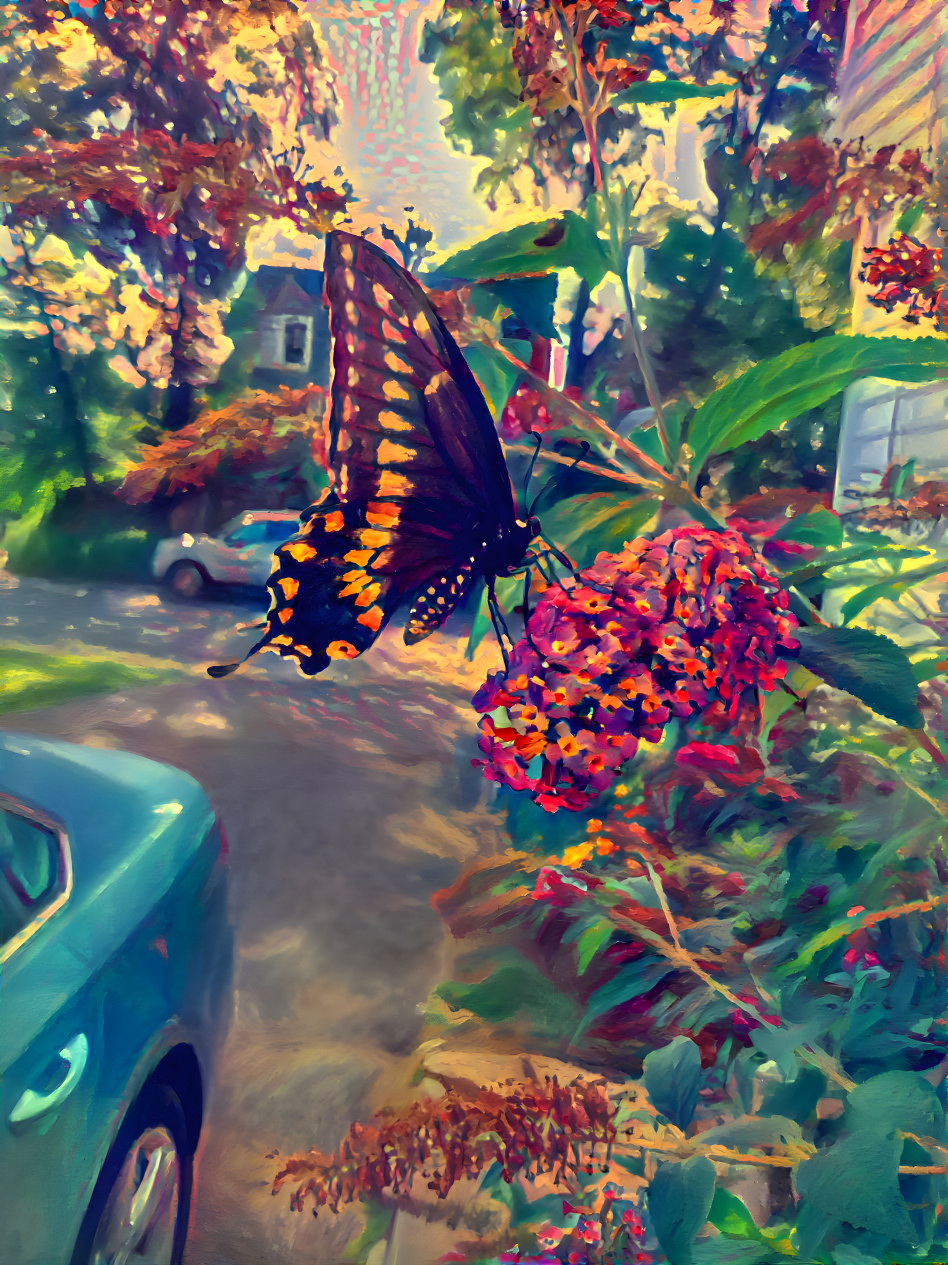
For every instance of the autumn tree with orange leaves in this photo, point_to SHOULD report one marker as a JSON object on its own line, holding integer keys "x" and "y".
{"x": 147, "y": 141}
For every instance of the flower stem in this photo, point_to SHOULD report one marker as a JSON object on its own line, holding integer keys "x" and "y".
{"x": 679, "y": 954}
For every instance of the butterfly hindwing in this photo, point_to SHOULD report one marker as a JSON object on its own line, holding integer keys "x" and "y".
{"x": 325, "y": 602}
{"x": 433, "y": 606}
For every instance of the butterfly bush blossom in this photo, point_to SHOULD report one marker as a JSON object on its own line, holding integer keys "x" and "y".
{"x": 689, "y": 624}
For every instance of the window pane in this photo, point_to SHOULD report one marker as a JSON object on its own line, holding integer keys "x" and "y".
{"x": 29, "y": 871}
{"x": 294, "y": 337}
{"x": 251, "y": 534}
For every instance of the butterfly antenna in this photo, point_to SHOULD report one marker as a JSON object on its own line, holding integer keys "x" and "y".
{"x": 529, "y": 475}
{"x": 583, "y": 453}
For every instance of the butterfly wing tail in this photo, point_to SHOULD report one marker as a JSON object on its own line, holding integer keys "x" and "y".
{"x": 326, "y": 602}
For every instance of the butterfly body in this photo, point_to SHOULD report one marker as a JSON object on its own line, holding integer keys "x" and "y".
{"x": 420, "y": 508}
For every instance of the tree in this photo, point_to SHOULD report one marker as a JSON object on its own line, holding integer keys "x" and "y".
{"x": 274, "y": 437}
{"x": 159, "y": 138}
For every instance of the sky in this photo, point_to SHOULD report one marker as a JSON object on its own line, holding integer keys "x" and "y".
{"x": 389, "y": 139}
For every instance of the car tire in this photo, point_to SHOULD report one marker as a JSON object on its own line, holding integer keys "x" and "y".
{"x": 186, "y": 580}
{"x": 141, "y": 1201}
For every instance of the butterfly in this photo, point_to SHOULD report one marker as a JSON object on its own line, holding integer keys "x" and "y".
{"x": 420, "y": 506}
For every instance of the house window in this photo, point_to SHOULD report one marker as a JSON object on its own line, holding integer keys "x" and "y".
{"x": 294, "y": 342}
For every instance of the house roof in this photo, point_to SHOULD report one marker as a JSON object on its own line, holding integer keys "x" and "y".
{"x": 290, "y": 299}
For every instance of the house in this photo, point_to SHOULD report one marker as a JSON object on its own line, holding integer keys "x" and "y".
{"x": 292, "y": 344}
{"x": 892, "y": 90}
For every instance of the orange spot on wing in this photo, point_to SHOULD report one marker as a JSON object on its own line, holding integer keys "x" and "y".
{"x": 382, "y": 515}
{"x": 372, "y": 618}
{"x": 389, "y": 453}
{"x": 395, "y": 363}
{"x": 368, "y": 596}
{"x": 372, "y": 537}
{"x": 285, "y": 615}
{"x": 393, "y": 421}
{"x": 289, "y": 586}
{"x": 393, "y": 390}
{"x": 300, "y": 552}
{"x": 389, "y": 305}
{"x": 334, "y": 521}
{"x": 341, "y": 650}
{"x": 437, "y": 382}
{"x": 359, "y": 556}
{"x": 355, "y": 587}
{"x": 391, "y": 333}
{"x": 392, "y": 484}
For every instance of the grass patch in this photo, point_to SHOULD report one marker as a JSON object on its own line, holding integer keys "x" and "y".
{"x": 31, "y": 679}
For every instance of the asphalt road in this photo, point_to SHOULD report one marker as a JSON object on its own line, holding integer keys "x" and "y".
{"x": 348, "y": 801}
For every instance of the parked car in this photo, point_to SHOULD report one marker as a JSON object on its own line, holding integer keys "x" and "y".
{"x": 240, "y": 553}
{"x": 115, "y": 990}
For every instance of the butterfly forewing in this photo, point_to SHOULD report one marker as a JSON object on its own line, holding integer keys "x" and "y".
{"x": 404, "y": 400}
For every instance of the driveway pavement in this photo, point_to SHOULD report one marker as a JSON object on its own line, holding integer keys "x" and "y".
{"x": 348, "y": 800}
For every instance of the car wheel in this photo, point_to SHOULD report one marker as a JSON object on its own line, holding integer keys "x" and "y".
{"x": 185, "y": 579}
{"x": 141, "y": 1201}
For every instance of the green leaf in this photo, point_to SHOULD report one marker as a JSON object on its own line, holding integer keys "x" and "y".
{"x": 821, "y": 527}
{"x": 867, "y": 665}
{"x": 906, "y": 472}
{"x": 909, "y": 219}
{"x": 531, "y": 299}
{"x": 590, "y": 942}
{"x": 846, "y": 1254}
{"x": 517, "y": 995}
{"x": 679, "y": 1200}
{"x": 782, "y": 387}
{"x": 665, "y": 91}
{"x": 857, "y": 1180}
{"x": 586, "y": 525}
{"x": 895, "y": 1101}
{"x": 508, "y": 589}
{"x": 863, "y": 552}
{"x": 672, "y": 1077}
{"x": 731, "y": 1252}
{"x": 495, "y": 375}
{"x": 729, "y": 1215}
{"x": 634, "y": 979}
{"x": 565, "y": 241}
{"x": 797, "y": 1098}
{"x": 891, "y": 587}
{"x": 929, "y": 666}
{"x": 750, "y": 1131}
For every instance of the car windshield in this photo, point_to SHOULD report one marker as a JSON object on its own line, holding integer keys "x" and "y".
{"x": 267, "y": 532}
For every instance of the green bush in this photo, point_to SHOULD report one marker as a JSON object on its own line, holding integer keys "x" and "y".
{"x": 53, "y": 554}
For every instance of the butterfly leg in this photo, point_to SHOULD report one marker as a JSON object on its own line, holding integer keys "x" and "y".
{"x": 565, "y": 561}
{"x": 497, "y": 619}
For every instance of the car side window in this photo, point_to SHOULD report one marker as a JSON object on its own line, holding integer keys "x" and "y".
{"x": 29, "y": 871}
{"x": 248, "y": 534}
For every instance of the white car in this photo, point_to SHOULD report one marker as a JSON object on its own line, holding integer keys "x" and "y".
{"x": 240, "y": 553}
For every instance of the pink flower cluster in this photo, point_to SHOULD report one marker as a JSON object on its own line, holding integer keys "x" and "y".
{"x": 689, "y": 624}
